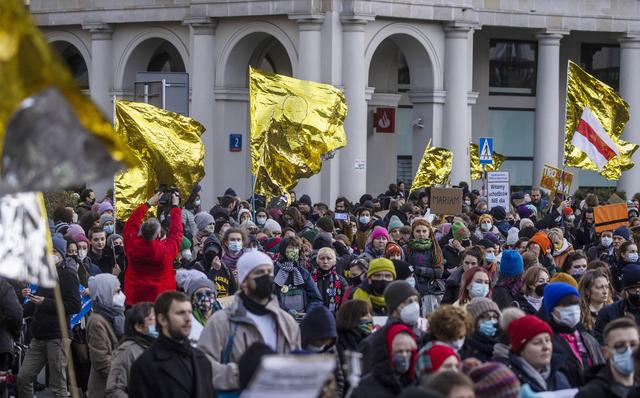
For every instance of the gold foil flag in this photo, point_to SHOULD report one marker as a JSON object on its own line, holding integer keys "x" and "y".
{"x": 476, "y": 167}
{"x": 596, "y": 116}
{"x": 434, "y": 167}
{"x": 49, "y": 130}
{"x": 169, "y": 152}
{"x": 294, "y": 124}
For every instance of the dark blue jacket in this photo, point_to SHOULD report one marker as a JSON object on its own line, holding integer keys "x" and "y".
{"x": 612, "y": 312}
{"x": 309, "y": 290}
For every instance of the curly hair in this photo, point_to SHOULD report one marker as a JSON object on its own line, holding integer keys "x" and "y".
{"x": 447, "y": 322}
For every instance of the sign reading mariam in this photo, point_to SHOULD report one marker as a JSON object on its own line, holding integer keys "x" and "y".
{"x": 446, "y": 201}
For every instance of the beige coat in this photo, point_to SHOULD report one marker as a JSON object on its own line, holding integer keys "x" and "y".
{"x": 123, "y": 358}
{"x": 213, "y": 339}
{"x": 101, "y": 339}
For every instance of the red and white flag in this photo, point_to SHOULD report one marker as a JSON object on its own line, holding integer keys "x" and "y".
{"x": 591, "y": 138}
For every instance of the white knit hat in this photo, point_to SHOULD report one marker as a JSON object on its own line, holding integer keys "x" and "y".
{"x": 512, "y": 236}
{"x": 272, "y": 225}
{"x": 250, "y": 261}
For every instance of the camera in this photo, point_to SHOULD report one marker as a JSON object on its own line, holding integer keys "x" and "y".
{"x": 167, "y": 194}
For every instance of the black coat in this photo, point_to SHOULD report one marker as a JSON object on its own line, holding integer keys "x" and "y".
{"x": 612, "y": 312}
{"x": 46, "y": 325}
{"x": 160, "y": 372}
{"x": 502, "y": 296}
{"x": 452, "y": 286}
{"x": 600, "y": 383}
{"x": 524, "y": 305}
{"x": 10, "y": 317}
{"x": 478, "y": 346}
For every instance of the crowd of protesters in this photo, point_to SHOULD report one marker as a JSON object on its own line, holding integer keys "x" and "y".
{"x": 485, "y": 303}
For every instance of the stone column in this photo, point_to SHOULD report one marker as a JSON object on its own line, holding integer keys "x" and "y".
{"x": 309, "y": 68}
{"x": 353, "y": 157}
{"x": 203, "y": 58}
{"x": 630, "y": 91}
{"x": 456, "y": 133}
{"x": 427, "y": 122}
{"x": 101, "y": 73}
{"x": 546, "y": 141}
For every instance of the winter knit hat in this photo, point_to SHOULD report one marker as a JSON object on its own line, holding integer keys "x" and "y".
{"x": 403, "y": 269}
{"x": 80, "y": 238}
{"x": 242, "y": 211}
{"x": 542, "y": 240}
{"x": 105, "y": 218}
{"x": 431, "y": 357}
{"x": 185, "y": 276}
{"x": 309, "y": 235}
{"x": 565, "y": 278}
{"x": 491, "y": 237}
{"x": 481, "y": 305}
{"x": 512, "y": 236}
{"x": 379, "y": 265}
{"x": 74, "y": 229}
{"x": 525, "y": 211}
{"x": 485, "y": 218}
{"x": 556, "y": 291}
{"x": 630, "y": 275}
{"x": 459, "y": 231}
{"x": 325, "y": 223}
{"x": 521, "y": 330}
{"x": 60, "y": 244}
{"x": 379, "y": 232}
{"x": 494, "y": 380}
{"x": 203, "y": 219}
{"x": 394, "y": 222}
{"x": 185, "y": 244}
{"x": 272, "y": 225}
{"x": 192, "y": 285}
{"x": 111, "y": 238}
{"x": 622, "y": 231}
{"x": 252, "y": 260}
{"x": 318, "y": 324}
{"x": 511, "y": 263}
{"x": 396, "y": 293}
{"x": 105, "y": 206}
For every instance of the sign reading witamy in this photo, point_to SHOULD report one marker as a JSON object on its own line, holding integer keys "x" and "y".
{"x": 498, "y": 189}
{"x": 446, "y": 200}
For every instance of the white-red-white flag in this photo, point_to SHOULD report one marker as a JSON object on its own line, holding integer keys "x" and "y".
{"x": 591, "y": 138}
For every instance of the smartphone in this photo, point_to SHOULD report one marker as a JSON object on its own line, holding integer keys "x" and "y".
{"x": 342, "y": 216}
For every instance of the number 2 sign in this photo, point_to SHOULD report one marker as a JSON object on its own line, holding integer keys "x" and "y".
{"x": 235, "y": 142}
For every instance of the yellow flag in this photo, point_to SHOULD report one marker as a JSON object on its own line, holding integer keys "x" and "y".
{"x": 28, "y": 67}
{"x": 294, "y": 123}
{"x": 169, "y": 152}
{"x": 476, "y": 167}
{"x": 600, "y": 115}
{"x": 434, "y": 167}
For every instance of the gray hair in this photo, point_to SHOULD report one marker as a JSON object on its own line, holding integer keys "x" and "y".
{"x": 150, "y": 229}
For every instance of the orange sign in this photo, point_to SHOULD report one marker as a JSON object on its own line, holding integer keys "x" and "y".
{"x": 610, "y": 217}
{"x": 552, "y": 180}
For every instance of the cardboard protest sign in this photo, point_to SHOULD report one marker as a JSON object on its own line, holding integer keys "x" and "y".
{"x": 610, "y": 217}
{"x": 552, "y": 180}
{"x": 446, "y": 200}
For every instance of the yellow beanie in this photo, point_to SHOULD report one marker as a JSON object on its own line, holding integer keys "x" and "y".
{"x": 381, "y": 264}
{"x": 564, "y": 277}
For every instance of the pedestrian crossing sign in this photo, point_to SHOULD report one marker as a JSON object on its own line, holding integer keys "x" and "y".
{"x": 485, "y": 149}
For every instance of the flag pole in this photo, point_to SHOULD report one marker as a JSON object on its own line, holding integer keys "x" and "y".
{"x": 115, "y": 214}
{"x": 564, "y": 135}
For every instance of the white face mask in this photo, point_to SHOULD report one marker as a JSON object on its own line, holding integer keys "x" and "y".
{"x": 410, "y": 314}
{"x": 210, "y": 228}
{"x": 478, "y": 290}
{"x": 186, "y": 254}
{"x": 119, "y": 299}
{"x": 569, "y": 316}
{"x": 74, "y": 219}
{"x": 606, "y": 241}
{"x": 486, "y": 226}
{"x": 82, "y": 254}
{"x": 457, "y": 345}
{"x": 412, "y": 281}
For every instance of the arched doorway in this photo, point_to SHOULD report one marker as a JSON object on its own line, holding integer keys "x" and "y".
{"x": 75, "y": 61}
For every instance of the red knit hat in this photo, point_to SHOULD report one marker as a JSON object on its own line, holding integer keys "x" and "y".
{"x": 542, "y": 240}
{"x": 523, "y": 329}
{"x": 392, "y": 331}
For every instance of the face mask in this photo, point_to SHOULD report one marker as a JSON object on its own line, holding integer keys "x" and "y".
{"x": 410, "y": 314}
{"x": 578, "y": 272}
{"x": 558, "y": 246}
{"x": 57, "y": 258}
{"x": 569, "y": 316}
{"x": 571, "y": 218}
{"x": 151, "y": 331}
{"x": 623, "y": 362}
{"x": 355, "y": 281}
{"x": 119, "y": 299}
{"x": 204, "y": 301}
{"x": 467, "y": 203}
{"x": 119, "y": 250}
{"x": 365, "y": 327}
{"x": 364, "y": 220}
{"x": 490, "y": 258}
{"x": 485, "y": 226}
{"x": 211, "y": 228}
{"x": 606, "y": 241}
{"x": 235, "y": 246}
{"x": 632, "y": 257}
{"x": 412, "y": 282}
{"x": 82, "y": 254}
{"x": 540, "y": 289}
{"x": 186, "y": 254}
{"x": 401, "y": 363}
{"x": 196, "y": 202}
{"x": 261, "y": 221}
{"x": 377, "y": 287}
{"x": 488, "y": 327}
{"x": 108, "y": 229}
{"x": 264, "y": 287}
{"x": 634, "y": 299}
{"x": 292, "y": 255}
{"x": 457, "y": 345}
{"x": 74, "y": 219}
{"x": 478, "y": 290}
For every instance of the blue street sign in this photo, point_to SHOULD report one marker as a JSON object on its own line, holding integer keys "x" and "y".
{"x": 485, "y": 150}
{"x": 235, "y": 142}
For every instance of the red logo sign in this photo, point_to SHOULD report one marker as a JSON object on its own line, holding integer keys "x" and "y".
{"x": 384, "y": 120}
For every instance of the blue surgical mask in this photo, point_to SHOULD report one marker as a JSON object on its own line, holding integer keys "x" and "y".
{"x": 108, "y": 229}
{"x": 364, "y": 220}
{"x": 632, "y": 257}
{"x": 490, "y": 258}
{"x": 478, "y": 290}
{"x": 412, "y": 281}
{"x": 488, "y": 327}
{"x": 151, "y": 331}
{"x": 606, "y": 241}
{"x": 623, "y": 362}
{"x": 235, "y": 246}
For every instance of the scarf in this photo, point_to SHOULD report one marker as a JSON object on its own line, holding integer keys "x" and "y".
{"x": 143, "y": 340}
{"x": 421, "y": 244}
{"x": 534, "y": 301}
{"x": 512, "y": 283}
{"x": 286, "y": 268}
{"x": 253, "y": 307}
{"x": 113, "y": 314}
{"x": 534, "y": 374}
{"x": 334, "y": 289}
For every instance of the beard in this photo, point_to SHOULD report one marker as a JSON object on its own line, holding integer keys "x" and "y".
{"x": 176, "y": 333}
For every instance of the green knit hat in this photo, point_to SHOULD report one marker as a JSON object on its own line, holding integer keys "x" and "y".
{"x": 185, "y": 244}
{"x": 459, "y": 231}
{"x": 394, "y": 222}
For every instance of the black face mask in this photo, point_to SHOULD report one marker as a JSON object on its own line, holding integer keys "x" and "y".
{"x": 540, "y": 289}
{"x": 355, "y": 281}
{"x": 377, "y": 287}
{"x": 634, "y": 299}
{"x": 119, "y": 250}
{"x": 465, "y": 243}
{"x": 264, "y": 287}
